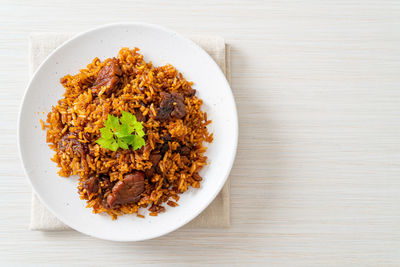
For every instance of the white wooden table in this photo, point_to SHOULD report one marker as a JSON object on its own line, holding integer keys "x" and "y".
{"x": 317, "y": 175}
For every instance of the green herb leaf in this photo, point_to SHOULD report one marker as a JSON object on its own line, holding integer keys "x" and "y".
{"x": 106, "y": 133}
{"x": 104, "y": 142}
{"x": 111, "y": 122}
{"x": 128, "y": 139}
{"x": 122, "y": 132}
{"x": 138, "y": 142}
{"x": 122, "y": 144}
{"x": 114, "y": 145}
{"x": 128, "y": 118}
{"x": 139, "y": 129}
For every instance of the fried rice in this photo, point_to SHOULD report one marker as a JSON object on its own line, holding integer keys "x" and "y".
{"x": 173, "y": 154}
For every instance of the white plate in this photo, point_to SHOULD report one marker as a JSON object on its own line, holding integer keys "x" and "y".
{"x": 160, "y": 46}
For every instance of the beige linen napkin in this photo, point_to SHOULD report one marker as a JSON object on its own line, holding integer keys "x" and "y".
{"x": 217, "y": 215}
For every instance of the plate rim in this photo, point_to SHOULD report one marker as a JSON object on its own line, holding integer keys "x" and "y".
{"x": 235, "y": 129}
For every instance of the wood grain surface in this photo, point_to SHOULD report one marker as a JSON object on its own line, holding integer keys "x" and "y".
{"x": 316, "y": 181}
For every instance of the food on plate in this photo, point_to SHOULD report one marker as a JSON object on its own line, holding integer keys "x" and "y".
{"x": 132, "y": 132}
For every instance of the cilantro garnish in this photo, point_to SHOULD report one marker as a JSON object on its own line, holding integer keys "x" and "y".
{"x": 121, "y": 133}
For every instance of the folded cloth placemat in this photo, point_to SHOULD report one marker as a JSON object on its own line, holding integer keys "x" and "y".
{"x": 217, "y": 215}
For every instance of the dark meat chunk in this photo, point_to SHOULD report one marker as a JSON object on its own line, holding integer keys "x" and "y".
{"x": 192, "y": 92}
{"x": 140, "y": 117}
{"x": 79, "y": 148}
{"x": 164, "y": 147}
{"x": 184, "y": 151}
{"x": 167, "y": 138}
{"x": 66, "y": 143}
{"x": 107, "y": 76}
{"x": 172, "y": 106}
{"x": 128, "y": 190}
{"x": 155, "y": 159}
{"x": 166, "y": 107}
{"x": 91, "y": 185}
{"x": 150, "y": 172}
{"x": 105, "y": 182}
{"x": 179, "y": 106}
{"x": 157, "y": 155}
